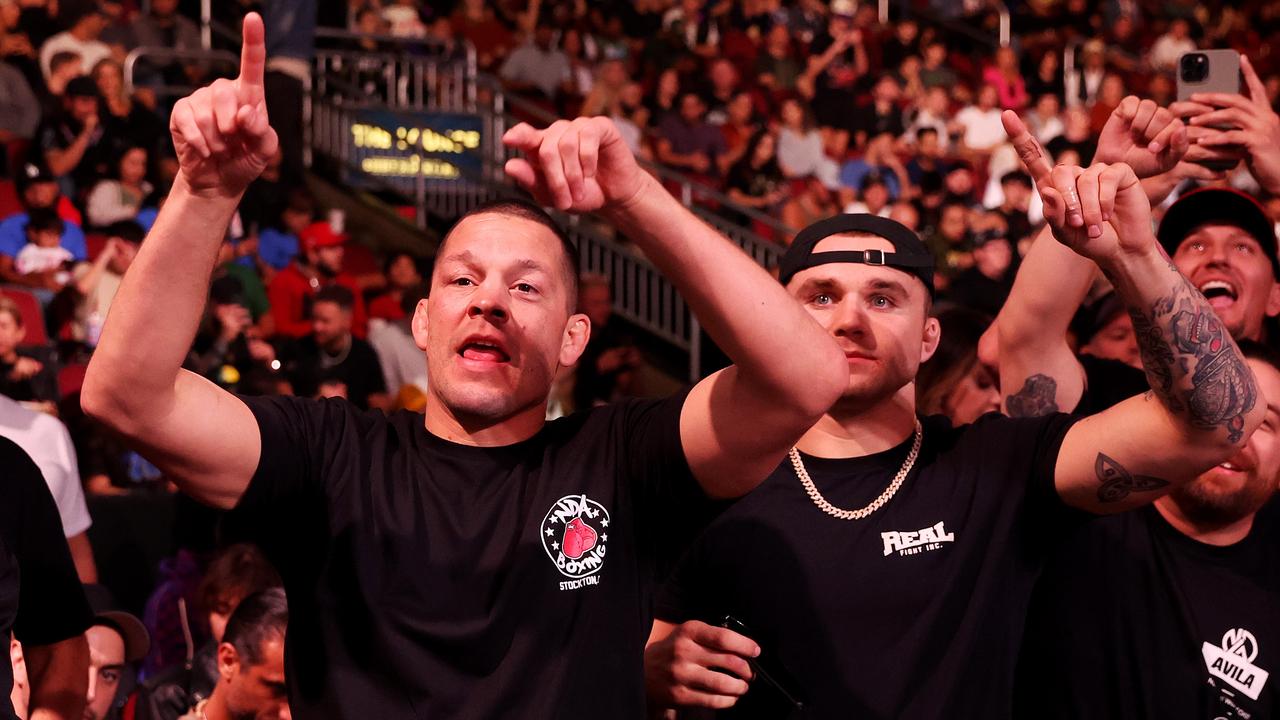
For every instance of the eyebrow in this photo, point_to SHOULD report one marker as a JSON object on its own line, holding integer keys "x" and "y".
{"x": 890, "y": 285}
{"x": 466, "y": 257}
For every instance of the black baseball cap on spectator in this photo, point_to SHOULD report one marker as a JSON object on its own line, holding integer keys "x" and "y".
{"x": 1218, "y": 206}
{"x": 1091, "y": 319}
{"x": 910, "y": 254}
{"x": 108, "y": 614}
{"x": 34, "y": 172}
{"x": 81, "y": 86}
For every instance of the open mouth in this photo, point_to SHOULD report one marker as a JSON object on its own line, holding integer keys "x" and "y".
{"x": 484, "y": 351}
{"x": 1219, "y": 293}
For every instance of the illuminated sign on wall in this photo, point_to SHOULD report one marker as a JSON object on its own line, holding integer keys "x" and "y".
{"x": 396, "y": 145}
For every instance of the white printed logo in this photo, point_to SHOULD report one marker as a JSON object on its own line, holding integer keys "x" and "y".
{"x": 913, "y": 543}
{"x": 575, "y": 534}
{"x": 1233, "y": 662}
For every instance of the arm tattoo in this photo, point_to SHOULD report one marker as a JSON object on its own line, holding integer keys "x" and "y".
{"x": 1117, "y": 482}
{"x": 1182, "y": 339}
{"x": 1037, "y": 397}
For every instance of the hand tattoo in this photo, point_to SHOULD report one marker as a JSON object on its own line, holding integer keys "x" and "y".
{"x": 1117, "y": 482}
{"x": 1181, "y": 337}
{"x": 1037, "y": 397}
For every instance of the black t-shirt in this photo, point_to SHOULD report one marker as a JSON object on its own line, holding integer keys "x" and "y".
{"x": 41, "y": 601}
{"x": 914, "y": 612}
{"x": 60, "y": 132}
{"x": 1107, "y": 383}
{"x": 1135, "y": 620}
{"x": 974, "y": 290}
{"x": 428, "y": 579}
{"x": 868, "y": 119}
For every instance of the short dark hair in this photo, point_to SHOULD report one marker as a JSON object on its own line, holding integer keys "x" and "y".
{"x": 395, "y": 256}
{"x": 260, "y": 617}
{"x": 62, "y": 57}
{"x": 39, "y": 219}
{"x": 921, "y": 132}
{"x": 1016, "y": 176}
{"x": 127, "y": 230}
{"x": 525, "y": 210}
{"x": 338, "y": 295}
{"x": 241, "y": 569}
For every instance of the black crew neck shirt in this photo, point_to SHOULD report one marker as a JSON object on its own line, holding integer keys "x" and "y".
{"x": 428, "y": 579}
{"x": 916, "y": 611}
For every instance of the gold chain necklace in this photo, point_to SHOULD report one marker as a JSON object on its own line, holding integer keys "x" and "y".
{"x": 876, "y": 504}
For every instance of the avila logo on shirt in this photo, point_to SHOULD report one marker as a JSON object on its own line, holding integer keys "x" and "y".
{"x": 1233, "y": 662}
{"x": 575, "y": 534}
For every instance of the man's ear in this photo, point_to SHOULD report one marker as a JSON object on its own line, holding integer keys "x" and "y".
{"x": 577, "y": 331}
{"x": 1273, "y": 300}
{"x": 932, "y": 336}
{"x": 228, "y": 661}
{"x": 419, "y": 325}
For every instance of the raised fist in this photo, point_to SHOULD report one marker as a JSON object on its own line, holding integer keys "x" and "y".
{"x": 220, "y": 132}
{"x": 581, "y": 165}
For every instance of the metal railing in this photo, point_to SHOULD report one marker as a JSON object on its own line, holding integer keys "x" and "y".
{"x": 167, "y": 55}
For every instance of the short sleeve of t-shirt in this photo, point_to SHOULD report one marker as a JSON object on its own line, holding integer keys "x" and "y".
{"x": 51, "y": 606}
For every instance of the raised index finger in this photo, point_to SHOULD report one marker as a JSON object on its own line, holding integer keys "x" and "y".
{"x": 1029, "y": 150}
{"x": 253, "y": 60}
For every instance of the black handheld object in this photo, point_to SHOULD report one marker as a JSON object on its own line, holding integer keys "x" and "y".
{"x": 773, "y": 691}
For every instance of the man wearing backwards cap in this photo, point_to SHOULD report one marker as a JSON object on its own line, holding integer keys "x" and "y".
{"x": 319, "y": 264}
{"x": 117, "y": 640}
{"x": 1167, "y": 611}
{"x": 886, "y": 566}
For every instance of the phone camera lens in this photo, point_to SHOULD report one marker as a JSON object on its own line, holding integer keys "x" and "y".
{"x": 1194, "y": 67}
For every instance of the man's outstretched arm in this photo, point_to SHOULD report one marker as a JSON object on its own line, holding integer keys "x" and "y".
{"x": 736, "y": 425}
{"x": 201, "y": 436}
{"x": 1204, "y": 401}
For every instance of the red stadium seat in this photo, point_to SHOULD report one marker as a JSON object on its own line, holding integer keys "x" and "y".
{"x": 32, "y": 315}
{"x": 71, "y": 379}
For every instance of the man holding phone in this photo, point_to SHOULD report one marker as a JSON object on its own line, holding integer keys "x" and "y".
{"x": 1232, "y": 126}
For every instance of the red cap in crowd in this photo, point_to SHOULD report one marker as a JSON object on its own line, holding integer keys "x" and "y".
{"x": 321, "y": 234}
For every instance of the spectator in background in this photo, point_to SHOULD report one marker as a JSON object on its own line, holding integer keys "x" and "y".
{"x": 1006, "y": 78}
{"x": 904, "y": 43}
{"x": 985, "y": 286}
{"x": 740, "y": 126}
{"x": 837, "y": 59}
{"x": 948, "y": 240}
{"x": 611, "y": 78}
{"x": 980, "y": 124}
{"x": 401, "y": 271}
{"x": 800, "y": 150}
{"x": 1048, "y": 77}
{"x": 187, "y": 626}
{"x": 934, "y": 71}
{"x": 1077, "y": 138}
{"x": 814, "y": 202}
{"x": 631, "y": 116}
{"x": 124, "y": 120}
{"x": 319, "y": 265}
{"x": 688, "y": 143}
{"x": 1016, "y": 188}
{"x": 22, "y": 377}
{"x": 41, "y": 602}
{"x": 665, "y": 100}
{"x": 278, "y": 238}
{"x": 1170, "y": 46}
{"x": 404, "y": 369}
{"x": 538, "y": 66}
{"x": 73, "y": 142}
{"x": 1083, "y": 86}
{"x": 80, "y": 38}
{"x": 164, "y": 27}
{"x": 228, "y": 349}
{"x": 928, "y": 157}
{"x": 695, "y": 27}
{"x": 475, "y": 21}
{"x": 19, "y": 108}
{"x": 262, "y": 201}
{"x": 1106, "y": 331}
{"x": 1109, "y": 97}
{"x": 756, "y": 180}
{"x": 954, "y": 382}
{"x": 880, "y": 116}
{"x": 606, "y": 369}
{"x": 117, "y": 641}
{"x": 873, "y": 197}
{"x": 63, "y": 68}
{"x": 777, "y": 68}
{"x": 722, "y": 89}
{"x": 120, "y": 197}
{"x": 880, "y": 160}
{"x": 46, "y": 440}
{"x": 933, "y": 114}
{"x": 1045, "y": 119}
{"x": 95, "y": 283}
{"x": 42, "y": 263}
{"x": 331, "y": 354}
{"x": 251, "y": 680}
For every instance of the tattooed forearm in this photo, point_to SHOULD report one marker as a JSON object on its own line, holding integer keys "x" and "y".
{"x": 1117, "y": 482}
{"x": 1037, "y": 397}
{"x": 1192, "y": 365}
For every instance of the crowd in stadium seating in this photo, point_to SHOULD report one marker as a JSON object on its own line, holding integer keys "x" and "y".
{"x": 794, "y": 111}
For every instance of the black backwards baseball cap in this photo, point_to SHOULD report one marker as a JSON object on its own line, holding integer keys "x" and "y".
{"x": 910, "y": 254}
{"x": 1218, "y": 206}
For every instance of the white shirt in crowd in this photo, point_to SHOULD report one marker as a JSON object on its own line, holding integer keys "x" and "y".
{"x": 982, "y": 128}
{"x": 1167, "y": 49}
{"x": 90, "y": 52}
{"x": 47, "y": 441}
